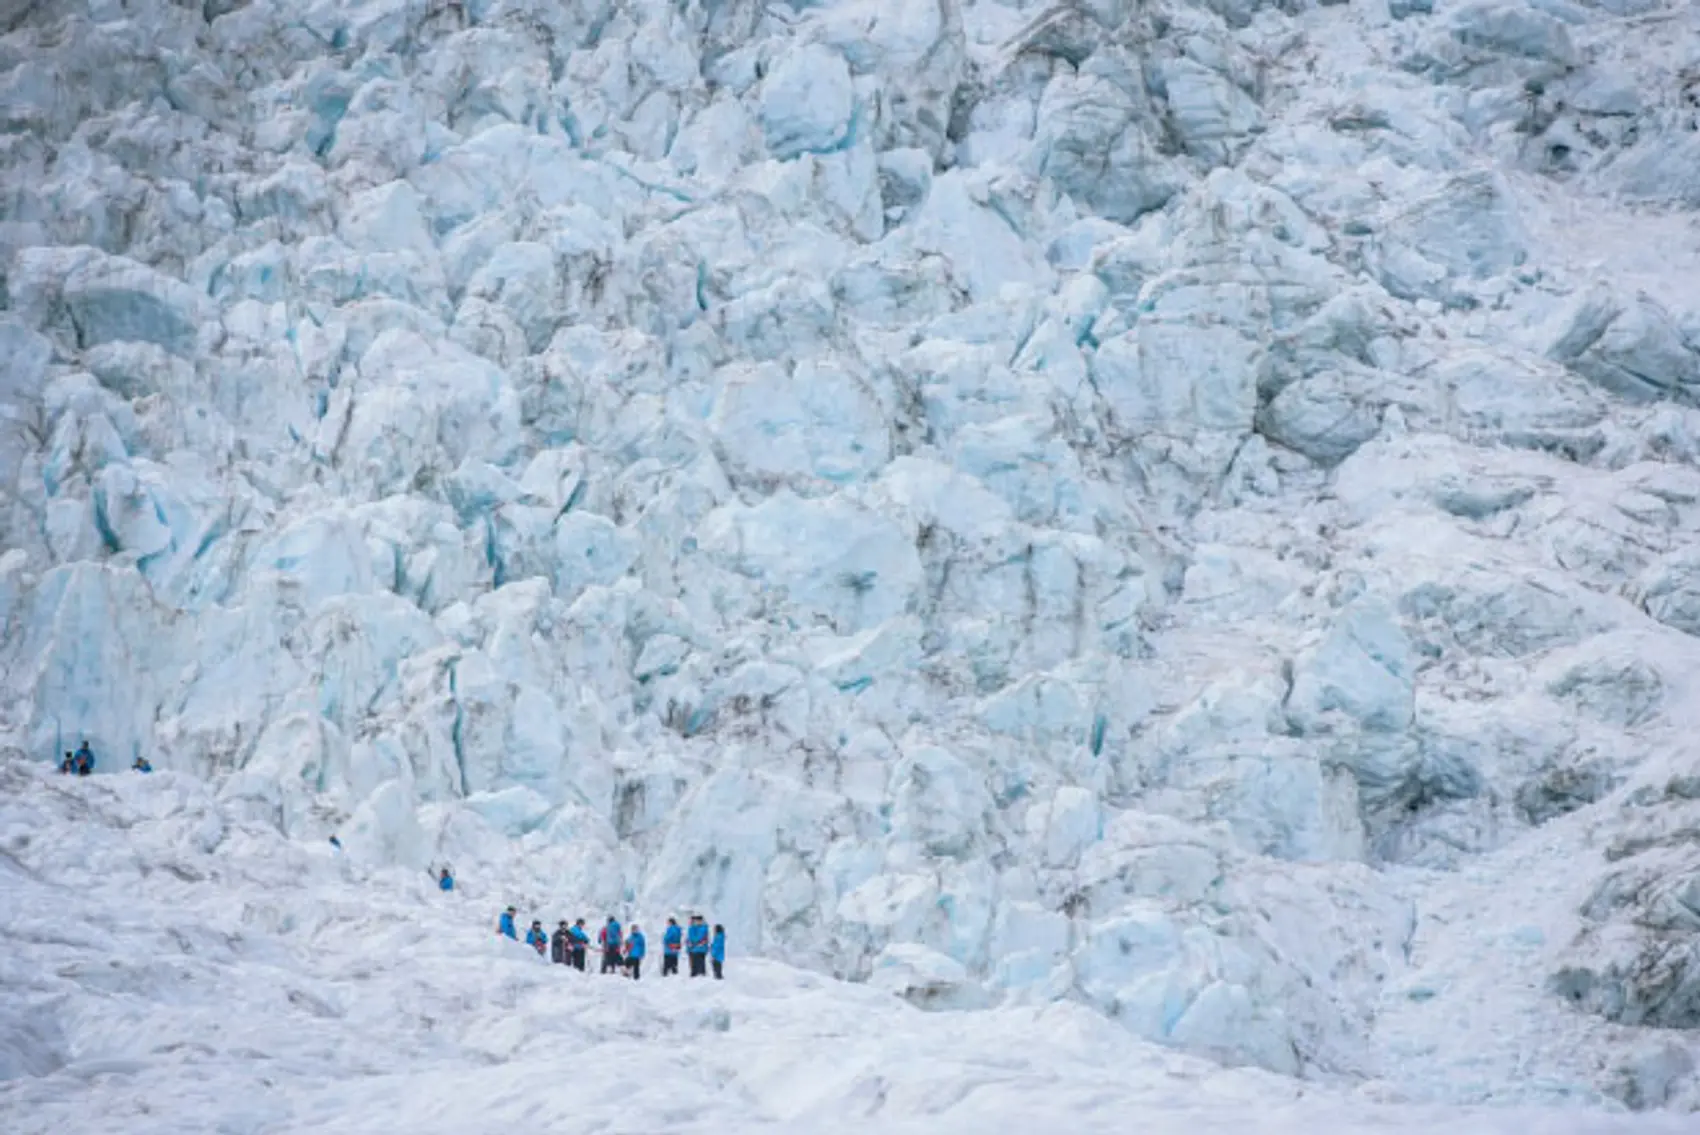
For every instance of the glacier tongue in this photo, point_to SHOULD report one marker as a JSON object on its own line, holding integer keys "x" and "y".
{"x": 1185, "y": 508}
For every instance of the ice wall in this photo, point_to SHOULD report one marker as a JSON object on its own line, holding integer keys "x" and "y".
{"x": 999, "y": 500}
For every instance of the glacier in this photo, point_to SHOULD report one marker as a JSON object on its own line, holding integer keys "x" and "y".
{"x": 1164, "y": 528}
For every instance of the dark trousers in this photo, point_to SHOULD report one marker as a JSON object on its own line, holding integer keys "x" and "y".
{"x": 669, "y": 964}
{"x": 635, "y": 965}
{"x": 717, "y": 974}
{"x": 699, "y": 965}
{"x": 610, "y": 961}
{"x": 578, "y": 958}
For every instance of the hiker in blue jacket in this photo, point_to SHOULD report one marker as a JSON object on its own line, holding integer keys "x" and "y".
{"x": 142, "y": 765}
{"x": 672, "y": 941}
{"x": 535, "y": 938}
{"x": 579, "y": 939}
{"x": 696, "y": 945}
{"x": 505, "y": 925}
{"x": 717, "y": 950}
{"x": 636, "y": 947}
{"x": 85, "y": 760}
{"x": 609, "y": 938}
{"x": 445, "y": 881}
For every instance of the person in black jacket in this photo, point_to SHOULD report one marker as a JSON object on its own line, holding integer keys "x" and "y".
{"x": 560, "y": 952}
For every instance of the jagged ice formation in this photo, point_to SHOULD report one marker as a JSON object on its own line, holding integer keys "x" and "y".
{"x": 1181, "y": 507}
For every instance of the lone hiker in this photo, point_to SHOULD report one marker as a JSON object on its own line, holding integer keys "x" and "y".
{"x": 445, "y": 881}
{"x": 696, "y": 945}
{"x": 505, "y": 924}
{"x": 535, "y": 938}
{"x": 609, "y": 939}
{"x": 672, "y": 940}
{"x": 717, "y": 950}
{"x": 636, "y": 947}
{"x": 580, "y": 938}
{"x": 142, "y": 765}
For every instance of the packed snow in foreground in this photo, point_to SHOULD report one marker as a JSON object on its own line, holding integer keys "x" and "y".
{"x": 1182, "y": 511}
{"x": 169, "y": 968}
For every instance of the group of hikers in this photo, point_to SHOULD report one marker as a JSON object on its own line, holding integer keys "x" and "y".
{"x": 81, "y": 762}
{"x": 621, "y": 951}
{"x": 624, "y": 951}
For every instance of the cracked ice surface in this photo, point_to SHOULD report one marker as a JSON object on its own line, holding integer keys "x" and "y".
{"x": 1185, "y": 508}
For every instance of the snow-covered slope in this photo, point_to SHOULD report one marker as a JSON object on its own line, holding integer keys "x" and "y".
{"x": 1180, "y": 508}
{"x": 185, "y": 972}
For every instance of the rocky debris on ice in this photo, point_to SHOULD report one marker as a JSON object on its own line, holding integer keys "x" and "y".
{"x": 1635, "y": 959}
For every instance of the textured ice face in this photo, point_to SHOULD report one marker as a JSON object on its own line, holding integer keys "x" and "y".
{"x": 1006, "y": 501}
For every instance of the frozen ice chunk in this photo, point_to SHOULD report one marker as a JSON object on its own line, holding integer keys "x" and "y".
{"x": 385, "y": 828}
{"x": 1326, "y": 416}
{"x": 388, "y": 218}
{"x": 589, "y": 550}
{"x": 938, "y": 801}
{"x": 1065, "y": 825}
{"x": 426, "y": 405}
{"x": 812, "y": 420}
{"x": 1669, "y": 590}
{"x": 807, "y": 101}
{"x": 320, "y": 556}
{"x": 1097, "y": 139}
{"x": 521, "y": 278}
{"x": 925, "y": 978}
{"x": 880, "y": 653}
{"x": 1631, "y": 347}
{"x": 1026, "y": 928}
{"x": 1362, "y": 672}
{"x": 717, "y": 848}
{"x": 1277, "y": 799}
{"x": 296, "y": 191}
{"x": 512, "y": 811}
{"x": 1613, "y": 687}
{"x": 1174, "y": 376}
{"x": 24, "y": 356}
{"x": 1212, "y": 116}
{"x": 832, "y": 557}
{"x": 1467, "y": 230}
{"x": 1511, "y": 28}
{"x": 959, "y": 222}
{"x": 114, "y": 298}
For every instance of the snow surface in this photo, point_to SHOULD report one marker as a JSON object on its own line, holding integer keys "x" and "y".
{"x": 1162, "y": 523}
{"x": 188, "y": 972}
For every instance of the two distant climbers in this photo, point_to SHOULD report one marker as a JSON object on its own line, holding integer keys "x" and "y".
{"x": 79, "y": 763}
